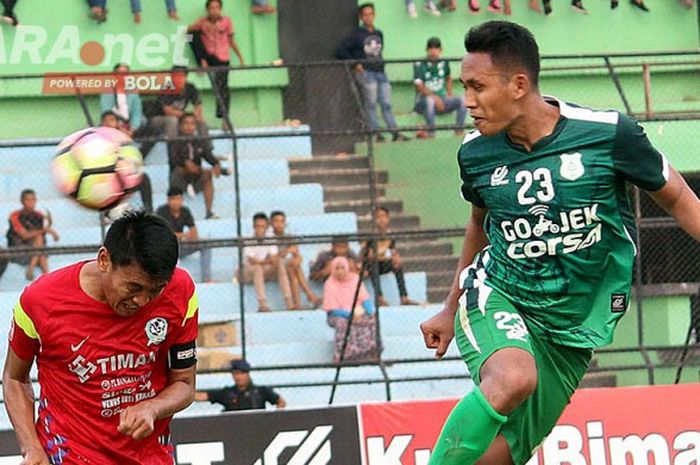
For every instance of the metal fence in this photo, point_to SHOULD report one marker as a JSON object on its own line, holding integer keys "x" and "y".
{"x": 301, "y": 143}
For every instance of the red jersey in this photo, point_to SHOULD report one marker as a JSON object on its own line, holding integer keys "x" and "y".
{"x": 93, "y": 363}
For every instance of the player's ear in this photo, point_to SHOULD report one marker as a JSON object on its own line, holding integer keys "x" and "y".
{"x": 520, "y": 85}
{"x": 103, "y": 259}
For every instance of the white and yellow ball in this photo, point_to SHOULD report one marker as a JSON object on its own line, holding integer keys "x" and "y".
{"x": 98, "y": 167}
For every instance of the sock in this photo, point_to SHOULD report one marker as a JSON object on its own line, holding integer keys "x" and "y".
{"x": 468, "y": 432}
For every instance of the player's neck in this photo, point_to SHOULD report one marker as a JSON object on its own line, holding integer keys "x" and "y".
{"x": 535, "y": 123}
{"x": 89, "y": 279}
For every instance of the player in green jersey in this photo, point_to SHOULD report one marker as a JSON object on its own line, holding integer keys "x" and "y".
{"x": 544, "y": 276}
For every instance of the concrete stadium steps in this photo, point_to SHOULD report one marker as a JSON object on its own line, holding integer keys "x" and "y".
{"x": 362, "y": 205}
{"x": 335, "y": 194}
{"x": 336, "y": 176}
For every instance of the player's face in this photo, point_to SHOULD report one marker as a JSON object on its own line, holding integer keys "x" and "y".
{"x": 367, "y": 16}
{"x": 259, "y": 227}
{"x": 279, "y": 222}
{"x": 126, "y": 288}
{"x": 241, "y": 378}
{"x": 434, "y": 53}
{"x": 488, "y": 94}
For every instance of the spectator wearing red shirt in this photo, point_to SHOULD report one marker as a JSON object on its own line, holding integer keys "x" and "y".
{"x": 28, "y": 227}
{"x": 212, "y": 35}
{"x": 114, "y": 343}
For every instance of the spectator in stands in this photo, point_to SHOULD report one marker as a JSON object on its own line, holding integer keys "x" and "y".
{"x": 292, "y": 260}
{"x": 428, "y": 5}
{"x": 386, "y": 260}
{"x": 320, "y": 268}
{"x": 126, "y": 105}
{"x": 98, "y": 10}
{"x": 169, "y": 5}
{"x": 185, "y": 161}
{"x": 112, "y": 120}
{"x": 433, "y": 83}
{"x": 8, "y": 14}
{"x": 365, "y": 46}
{"x": 28, "y": 227}
{"x": 338, "y": 295}
{"x": 180, "y": 218}
{"x": 262, "y": 7}
{"x": 261, "y": 263}
{"x": 244, "y": 395}
{"x": 212, "y": 35}
{"x": 163, "y": 113}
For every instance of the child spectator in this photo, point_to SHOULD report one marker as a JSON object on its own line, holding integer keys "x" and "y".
{"x": 28, "y": 227}
{"x": 292, "y": 260}
{"x": 386, "y": 260}
{"x": 338, "y": 293}
{"x": 261, "y": 263}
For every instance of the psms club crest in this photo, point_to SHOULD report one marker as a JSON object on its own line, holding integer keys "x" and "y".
{"x": 156, "y": 330}
{"x": 571, "y": 166}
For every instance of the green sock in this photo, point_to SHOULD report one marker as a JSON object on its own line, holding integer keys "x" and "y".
{"x": 468, "y": 432}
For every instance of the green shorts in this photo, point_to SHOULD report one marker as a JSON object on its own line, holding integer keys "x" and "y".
{"x": 486, "y": 322}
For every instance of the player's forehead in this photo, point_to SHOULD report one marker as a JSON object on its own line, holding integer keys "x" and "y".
{"x": 134, "y": 274}
{"x": 478, "y": 67}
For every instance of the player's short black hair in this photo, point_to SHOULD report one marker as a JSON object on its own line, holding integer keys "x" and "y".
{"x": 26, "y": 192}
{"x": 434, "y": 42}
{"x": 383, "y": 209}
{"x": 175, "y": 190}
{"x": 144, "y": 239}
{"x": 277, "y": 213}
{"x": 362, "y": 6}
{"x": 259, "y": 216}
{"x": 511, "y": 46}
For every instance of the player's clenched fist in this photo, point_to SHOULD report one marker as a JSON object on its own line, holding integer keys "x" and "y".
{"x": 438, "y": 331}
{"x": 137, "y": 421}
{"x": 35, "y": 456}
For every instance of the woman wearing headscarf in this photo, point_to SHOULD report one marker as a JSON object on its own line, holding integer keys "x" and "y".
{"x": 338, "y": 293}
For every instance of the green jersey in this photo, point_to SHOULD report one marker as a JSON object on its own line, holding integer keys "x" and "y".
{"x": 433, "y": 75}
{"x": 560, "y": 227}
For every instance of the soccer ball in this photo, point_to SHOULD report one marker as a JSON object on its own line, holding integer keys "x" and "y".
{"x": 98, "y": 167}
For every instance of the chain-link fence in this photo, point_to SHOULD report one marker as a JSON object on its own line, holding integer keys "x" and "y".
{"x": 303, "y": 143}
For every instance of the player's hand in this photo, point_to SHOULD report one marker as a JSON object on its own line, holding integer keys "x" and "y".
{"x": 137, "y": 421}
{"x": 438, "y": 331}
{"x": 439, "y": 104}
{"x": 35, "y": 456}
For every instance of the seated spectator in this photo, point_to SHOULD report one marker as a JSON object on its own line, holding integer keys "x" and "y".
{"x": 180, "y": 217}
{"x": 386, "y": 260}
{"x": 212, "y": 35}
{"x": 262, "y": 7}
{"x": 28, "y": 227}
{"x": 338, "y": 294}
{"x": 163, "y": 114}
{"x": 261, "y": 263}
{"x": 112, "y": 120}
{"x": 292, "y": 261}
{"x": 126, "y": 105}
{"x": 433, "y": 83}
{"x": 186, "y": 163}
{"x": 8, "y": 14}
{"x": 244, "y": 394}
{"x": 98, "y": 10}
{"x": 169, "y": 5}
{"x": 320, "y": 268}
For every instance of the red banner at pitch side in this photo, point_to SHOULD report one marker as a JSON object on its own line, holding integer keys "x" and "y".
{"x": 657, "y": 425}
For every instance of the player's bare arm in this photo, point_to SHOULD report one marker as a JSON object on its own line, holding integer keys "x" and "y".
{"x": 137, "y": 421}
{"x": 438, "y": 331}
{"x": 19, "y": 401}
{"x": 680, "y": 202}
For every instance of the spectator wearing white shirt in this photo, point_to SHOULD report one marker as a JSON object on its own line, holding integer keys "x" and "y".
{"x": 262, "y": 263}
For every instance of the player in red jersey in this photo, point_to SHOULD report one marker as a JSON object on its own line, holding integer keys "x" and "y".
{"x": 114, "y": 341}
